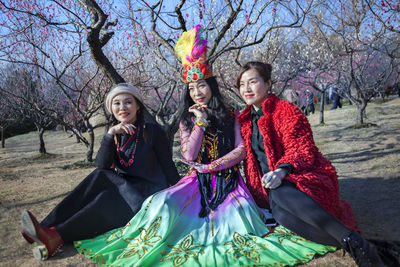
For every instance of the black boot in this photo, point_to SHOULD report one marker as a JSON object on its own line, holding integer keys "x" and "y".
{"x": 363, "y": 252}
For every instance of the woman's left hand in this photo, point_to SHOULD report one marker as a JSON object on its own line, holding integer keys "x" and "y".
{"x": 198, "y": 166}
{"x": 273, "y": 179}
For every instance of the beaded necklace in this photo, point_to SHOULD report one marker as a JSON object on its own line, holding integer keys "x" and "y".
{"x": 130, "y": 161}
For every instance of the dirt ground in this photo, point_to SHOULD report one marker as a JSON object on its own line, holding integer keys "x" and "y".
{"x": 367, "y": 161}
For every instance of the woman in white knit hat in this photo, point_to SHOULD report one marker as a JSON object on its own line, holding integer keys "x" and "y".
{"x": 133, "y": 162}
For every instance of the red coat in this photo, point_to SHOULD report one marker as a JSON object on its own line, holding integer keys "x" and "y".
{"x": 288, "y": 138}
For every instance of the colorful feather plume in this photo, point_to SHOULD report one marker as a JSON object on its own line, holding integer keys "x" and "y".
{"x": 191, "y": 46}
{"x": 191, "y": 50}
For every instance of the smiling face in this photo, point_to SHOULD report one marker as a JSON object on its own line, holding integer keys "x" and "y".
{"x": 124, "y": 108}
{"x": 200, "y": 92}
{"x": 253, "y": 88}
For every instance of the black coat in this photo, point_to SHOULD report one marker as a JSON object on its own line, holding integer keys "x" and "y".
{"x": 111, "y": 195}
{"x": 153, "y": 160}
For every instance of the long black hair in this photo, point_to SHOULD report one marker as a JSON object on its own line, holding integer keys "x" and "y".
{"x": 218, "y": 113}
{"x": 222, "y": 119}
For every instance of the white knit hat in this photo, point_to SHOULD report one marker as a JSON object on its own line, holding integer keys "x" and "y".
{"x": 122, "y": 88}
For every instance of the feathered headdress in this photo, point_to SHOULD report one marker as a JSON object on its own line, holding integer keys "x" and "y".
{"x": 191, "y": 50}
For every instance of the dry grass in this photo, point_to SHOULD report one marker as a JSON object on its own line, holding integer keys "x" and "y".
{"x": 367, "y": 161}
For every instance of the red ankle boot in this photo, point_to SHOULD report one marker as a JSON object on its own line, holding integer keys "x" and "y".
{"x": 49, "y": 237}
{"x": 27, "y": 238}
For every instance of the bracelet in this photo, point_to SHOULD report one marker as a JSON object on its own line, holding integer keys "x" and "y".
{"x": 200, "y": 121}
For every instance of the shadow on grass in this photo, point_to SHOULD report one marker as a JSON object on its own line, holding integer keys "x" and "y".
{"x": 375, "y": 203}
{"x": 43, "y": 156}
{"x": 68, "y": 250}
{"x": 23, "y": 204}
{"x": 361, "y": 155}
{"x": 361, "y": 126}
{"x": 82, "y": 164}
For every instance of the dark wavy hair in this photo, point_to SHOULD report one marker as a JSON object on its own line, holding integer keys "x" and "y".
{"x": 218, "y": 113}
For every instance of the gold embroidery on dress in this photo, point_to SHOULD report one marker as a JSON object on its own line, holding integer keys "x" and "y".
{"x": 211, "y": 140}
{"x": 243, "y": 245}
{"x": 212, "y": 222}
{"x": 180, "y": 253}
{"x": 240, "y": 204}
{"x": 225, "y": 161}
{"x": 98, "y": 258}
{"x": 285, "y": 234}
{"x": 148, "y": 204}
{"x": 142, "y": 244}
{"x": 117, "y": 233}
{"x": 190, "y": 200}
{"x": 209, "y": 143}
{"x": 228, "y": 176}
{"x": 184, "y": 147}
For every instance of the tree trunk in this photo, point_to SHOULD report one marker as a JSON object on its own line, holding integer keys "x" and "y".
{"x": 3, "y": 138}
{"x": 321, "y": 108}
{"x": 90, "y": 146}
{"x": 96, "y": 41}
{"x": 171, "y": 128}
{"x": 361, "y": 112}
{"x": 170, "y": 131}
{"x": 42, "y": 148}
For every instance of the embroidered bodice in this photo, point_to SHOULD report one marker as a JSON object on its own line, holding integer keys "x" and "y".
{"x": 193, "y": 140}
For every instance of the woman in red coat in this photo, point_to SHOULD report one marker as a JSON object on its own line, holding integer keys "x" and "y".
{"x": 286, "y": 173}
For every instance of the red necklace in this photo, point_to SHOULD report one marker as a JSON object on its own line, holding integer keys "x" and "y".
{"x": 130, "y": 161}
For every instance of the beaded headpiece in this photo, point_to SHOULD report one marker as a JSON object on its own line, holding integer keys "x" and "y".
{"x": 191, "y": 50}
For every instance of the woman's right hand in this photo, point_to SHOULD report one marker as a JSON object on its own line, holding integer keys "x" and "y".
{"x": 122, "y": 127}
{"x": 199, "y": 110}
{"x": 273, "y": 179}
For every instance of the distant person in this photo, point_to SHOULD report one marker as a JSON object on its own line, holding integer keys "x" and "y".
{"x": 334, "y": 98}
{"x": 133, "y": 162}
{"x": 396, "y": 87}
{"x": 310, "y": 102}
{"x": 286, "y": 172}
{"x": 300, "y": 101}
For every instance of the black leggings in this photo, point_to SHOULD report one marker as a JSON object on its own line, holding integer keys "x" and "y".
{"x": 101, "y": 202}
{"x": 301, "y": 214}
